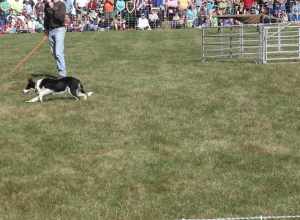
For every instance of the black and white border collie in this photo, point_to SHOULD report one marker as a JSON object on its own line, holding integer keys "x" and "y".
{"x": 47, "y": 86}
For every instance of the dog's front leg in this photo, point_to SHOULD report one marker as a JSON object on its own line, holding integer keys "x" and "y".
{"x": 41, "y": 97}
{"x": 35, "y": 99}
{"x": 44, "y": 93}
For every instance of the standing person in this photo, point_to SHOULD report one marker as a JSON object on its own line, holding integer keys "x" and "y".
{"x": 55, "y": 12}
{"x": 296, "y": 11}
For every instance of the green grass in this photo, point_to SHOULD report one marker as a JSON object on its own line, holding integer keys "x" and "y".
{"x": 164, "y": 137}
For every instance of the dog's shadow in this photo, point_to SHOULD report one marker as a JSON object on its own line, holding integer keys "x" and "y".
{"x": 56, "y": 98}
{"x": 51, "y": 98}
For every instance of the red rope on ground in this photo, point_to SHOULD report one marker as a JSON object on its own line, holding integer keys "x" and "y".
{"x": 29, "y": 55}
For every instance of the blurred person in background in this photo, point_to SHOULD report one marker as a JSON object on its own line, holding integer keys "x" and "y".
{"x": 70, "y": 8}
{"x": 130, "y": 14}
{"x": 39, "y": 9}
{"x": 4, "y": 12}
{"x": 143, "y": 23}
{"x": 81, "y": 6}
{"x": 296, "y": 11}
{"x": 120, "y": 7}
{"x": 191, "y": 16}
{"x": 92, "y": 5}
{"x": 108, "y": 9}
{"x": 16, "y": 6}
{"x": 119, "y": 23}
{"x": 28, "y": 7}
{"x": 154, "y": 19}
{"x": 248, "y": 5}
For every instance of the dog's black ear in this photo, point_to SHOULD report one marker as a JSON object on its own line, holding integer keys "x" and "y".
{"x": 30, "y": 83}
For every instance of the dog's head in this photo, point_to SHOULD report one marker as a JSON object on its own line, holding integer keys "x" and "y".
{"x": 30, "y": 86}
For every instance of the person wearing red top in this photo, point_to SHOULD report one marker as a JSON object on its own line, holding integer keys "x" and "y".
{"x": 108, "y": 8}
{"x": 92, "y": 5}
{"x": 248, "y": 4}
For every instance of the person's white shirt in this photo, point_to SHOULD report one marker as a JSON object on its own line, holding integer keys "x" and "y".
{"x": 143, "y": 23}
{"x": 153, "y": 17}
{"x": 82, "y": 3}
{"x": 22, "y": 18}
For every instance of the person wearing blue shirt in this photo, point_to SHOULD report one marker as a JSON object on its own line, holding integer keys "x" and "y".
{"x": 120, "y": 5}
{"x": 210, "y": 6}
{"x": 191, "y": 15}
{"x": 296, "y": 11}
{"x": 70, "y": 9}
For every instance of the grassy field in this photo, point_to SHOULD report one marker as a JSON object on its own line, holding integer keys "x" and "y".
{"x": 163, "y": 137}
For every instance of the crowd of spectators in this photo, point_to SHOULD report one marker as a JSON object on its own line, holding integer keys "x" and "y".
{"x": 98, "y": 15}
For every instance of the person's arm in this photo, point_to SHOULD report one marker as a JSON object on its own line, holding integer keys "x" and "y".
{"x": 47, "y": 12}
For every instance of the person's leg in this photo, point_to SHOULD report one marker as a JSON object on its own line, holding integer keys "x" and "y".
{"x": 52, "y": 43}
{"x": 59, "y": 51}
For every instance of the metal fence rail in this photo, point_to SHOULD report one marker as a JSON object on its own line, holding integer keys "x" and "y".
{"x": 281, "y": 43}
{"x": 229, "y": 42}
{"x": 254, "y": 218}
{"x": 260, "y": 43}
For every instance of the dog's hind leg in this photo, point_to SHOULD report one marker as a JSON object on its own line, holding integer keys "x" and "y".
{"x": 73, "y": 92}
